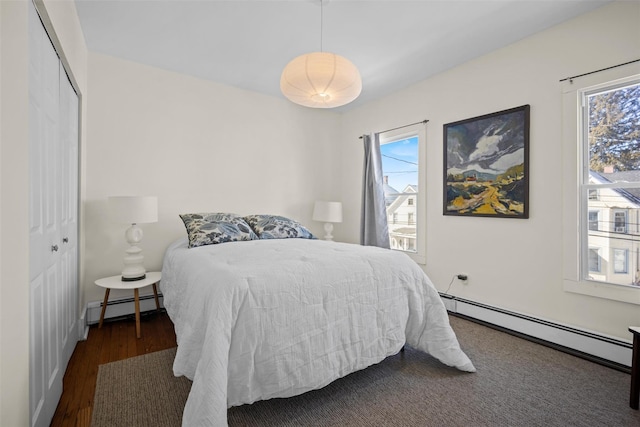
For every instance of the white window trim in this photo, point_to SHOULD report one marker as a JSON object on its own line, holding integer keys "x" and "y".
{"x": 420, "y": 256}
{"x": 572, "y": 200}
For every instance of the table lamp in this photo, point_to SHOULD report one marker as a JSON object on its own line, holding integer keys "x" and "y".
{"x": 327, "y": 212}
{"x": 133, "y": 210}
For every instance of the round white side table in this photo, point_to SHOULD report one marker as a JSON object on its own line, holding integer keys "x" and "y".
{"x": 115, "y": 282}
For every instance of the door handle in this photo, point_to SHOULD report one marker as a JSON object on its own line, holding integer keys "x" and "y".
{"x": 54, "y": 248}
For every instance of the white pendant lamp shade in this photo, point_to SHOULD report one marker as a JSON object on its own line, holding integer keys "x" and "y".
{"x": 321, "y": 80}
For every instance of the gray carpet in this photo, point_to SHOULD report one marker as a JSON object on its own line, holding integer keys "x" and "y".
{"x": 518, "y": 383}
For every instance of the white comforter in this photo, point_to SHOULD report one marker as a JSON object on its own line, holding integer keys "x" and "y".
{"x": 275, "y": 318}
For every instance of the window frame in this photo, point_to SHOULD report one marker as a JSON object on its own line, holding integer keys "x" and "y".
{"x": 575, "y": 182}
{"x": 418, "y": 130}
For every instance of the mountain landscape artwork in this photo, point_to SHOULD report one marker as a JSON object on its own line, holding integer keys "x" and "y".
{"x": 486, "y": 165}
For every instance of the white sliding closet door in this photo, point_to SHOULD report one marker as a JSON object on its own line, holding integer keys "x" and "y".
{"x": 53, "y": 171}
{"x": 69, "y": 138}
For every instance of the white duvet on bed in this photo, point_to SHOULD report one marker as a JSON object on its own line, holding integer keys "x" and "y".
{"x": 275, "y": 318}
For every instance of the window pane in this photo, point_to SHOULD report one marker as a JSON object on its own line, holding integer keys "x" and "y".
{"x": 400, "y": 170}
{"x": 613, "y": 232}
{"x": 614, "y": 133}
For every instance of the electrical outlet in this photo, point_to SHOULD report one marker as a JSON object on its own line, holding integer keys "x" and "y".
{"x": 463, "y": 276}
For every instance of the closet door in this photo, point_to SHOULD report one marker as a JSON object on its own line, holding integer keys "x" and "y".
{"x": 68, "y": 120}
{"x": 52, "y": 222}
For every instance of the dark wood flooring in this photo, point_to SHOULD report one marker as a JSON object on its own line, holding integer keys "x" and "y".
{"x": 116, "y": 340}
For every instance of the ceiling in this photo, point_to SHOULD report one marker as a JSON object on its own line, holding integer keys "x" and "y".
{"x": 247, "y": 43}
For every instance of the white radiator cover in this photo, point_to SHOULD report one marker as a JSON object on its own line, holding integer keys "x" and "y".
{"x": 119, "y": 307}
{"x": 586, "y": 343}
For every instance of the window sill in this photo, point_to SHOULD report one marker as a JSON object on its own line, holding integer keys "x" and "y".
{"x": 419, "y": 259}
{"x": 628, "y": 294}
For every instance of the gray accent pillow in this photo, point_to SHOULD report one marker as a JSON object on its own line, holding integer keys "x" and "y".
{"x": 211, "y": 228}
{"x": 277, "y": 227}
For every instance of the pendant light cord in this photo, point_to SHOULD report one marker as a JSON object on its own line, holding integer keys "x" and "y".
{"x": 321, "y": 18}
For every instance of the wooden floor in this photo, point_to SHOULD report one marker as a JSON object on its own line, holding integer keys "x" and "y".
{"x": 114, "y": 341}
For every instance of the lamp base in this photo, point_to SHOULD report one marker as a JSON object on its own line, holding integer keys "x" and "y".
{"x": 134, "y": 260}
{"x": 328, "y": 229}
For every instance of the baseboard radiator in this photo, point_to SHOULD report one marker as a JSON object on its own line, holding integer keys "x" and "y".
{"x": 120, "y": 307}
{"x": 601, "y": 349}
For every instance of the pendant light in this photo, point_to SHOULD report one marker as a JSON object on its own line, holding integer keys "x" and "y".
{"x": 320, "y": 79}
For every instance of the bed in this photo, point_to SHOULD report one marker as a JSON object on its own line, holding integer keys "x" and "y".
{"x": 259, "y": 318}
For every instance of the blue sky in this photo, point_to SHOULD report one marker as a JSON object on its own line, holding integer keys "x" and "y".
{"x": 400, "y": 162}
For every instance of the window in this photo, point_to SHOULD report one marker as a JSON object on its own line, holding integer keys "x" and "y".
{"x": 594, "y": 260}
{"x": 601, "y": 112}
{"x": 594, "y": 220}
{"x": 620, "y": 261}
{"x": 402, "y": 168}
{"x": 610, "y": 143}
{"x": 620, "y": 221}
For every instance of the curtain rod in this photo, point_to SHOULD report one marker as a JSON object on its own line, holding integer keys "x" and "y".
{"x": 400, "y": 127}
{"x": 597, "y": 71}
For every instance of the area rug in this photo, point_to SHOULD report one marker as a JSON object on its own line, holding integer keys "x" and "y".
{"x": 518, "y": 383}
{"x": 140, "y": 391}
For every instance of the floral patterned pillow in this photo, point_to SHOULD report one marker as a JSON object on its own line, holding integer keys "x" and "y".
{"x": 277, "y": 227}
{"x": 211, "y": 228}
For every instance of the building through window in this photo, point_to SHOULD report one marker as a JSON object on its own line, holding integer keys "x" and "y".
{"x": 400, "y": 166}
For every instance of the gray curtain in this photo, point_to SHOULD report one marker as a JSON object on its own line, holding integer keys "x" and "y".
{"x": 374, "y": 230}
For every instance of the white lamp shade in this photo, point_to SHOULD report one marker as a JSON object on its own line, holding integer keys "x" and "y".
{"x": 321, "y": 80}
{"x": 134, "y": 209}
{"x": 327, "y": 211}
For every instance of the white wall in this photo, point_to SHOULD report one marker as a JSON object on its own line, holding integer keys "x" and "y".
{"x": 14, "y": 261}
{"x": 513, "y": 264}
{"x": 200, "y": 147}
{"x": 14, "y": 181}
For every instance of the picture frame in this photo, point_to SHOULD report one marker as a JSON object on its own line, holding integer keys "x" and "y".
{"x": 486, "y": 165}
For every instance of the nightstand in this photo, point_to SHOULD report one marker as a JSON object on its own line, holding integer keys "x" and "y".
{"x": 115, "y": 282}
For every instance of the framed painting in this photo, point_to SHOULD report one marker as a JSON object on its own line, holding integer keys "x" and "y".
{"x": 486, "y": 165}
